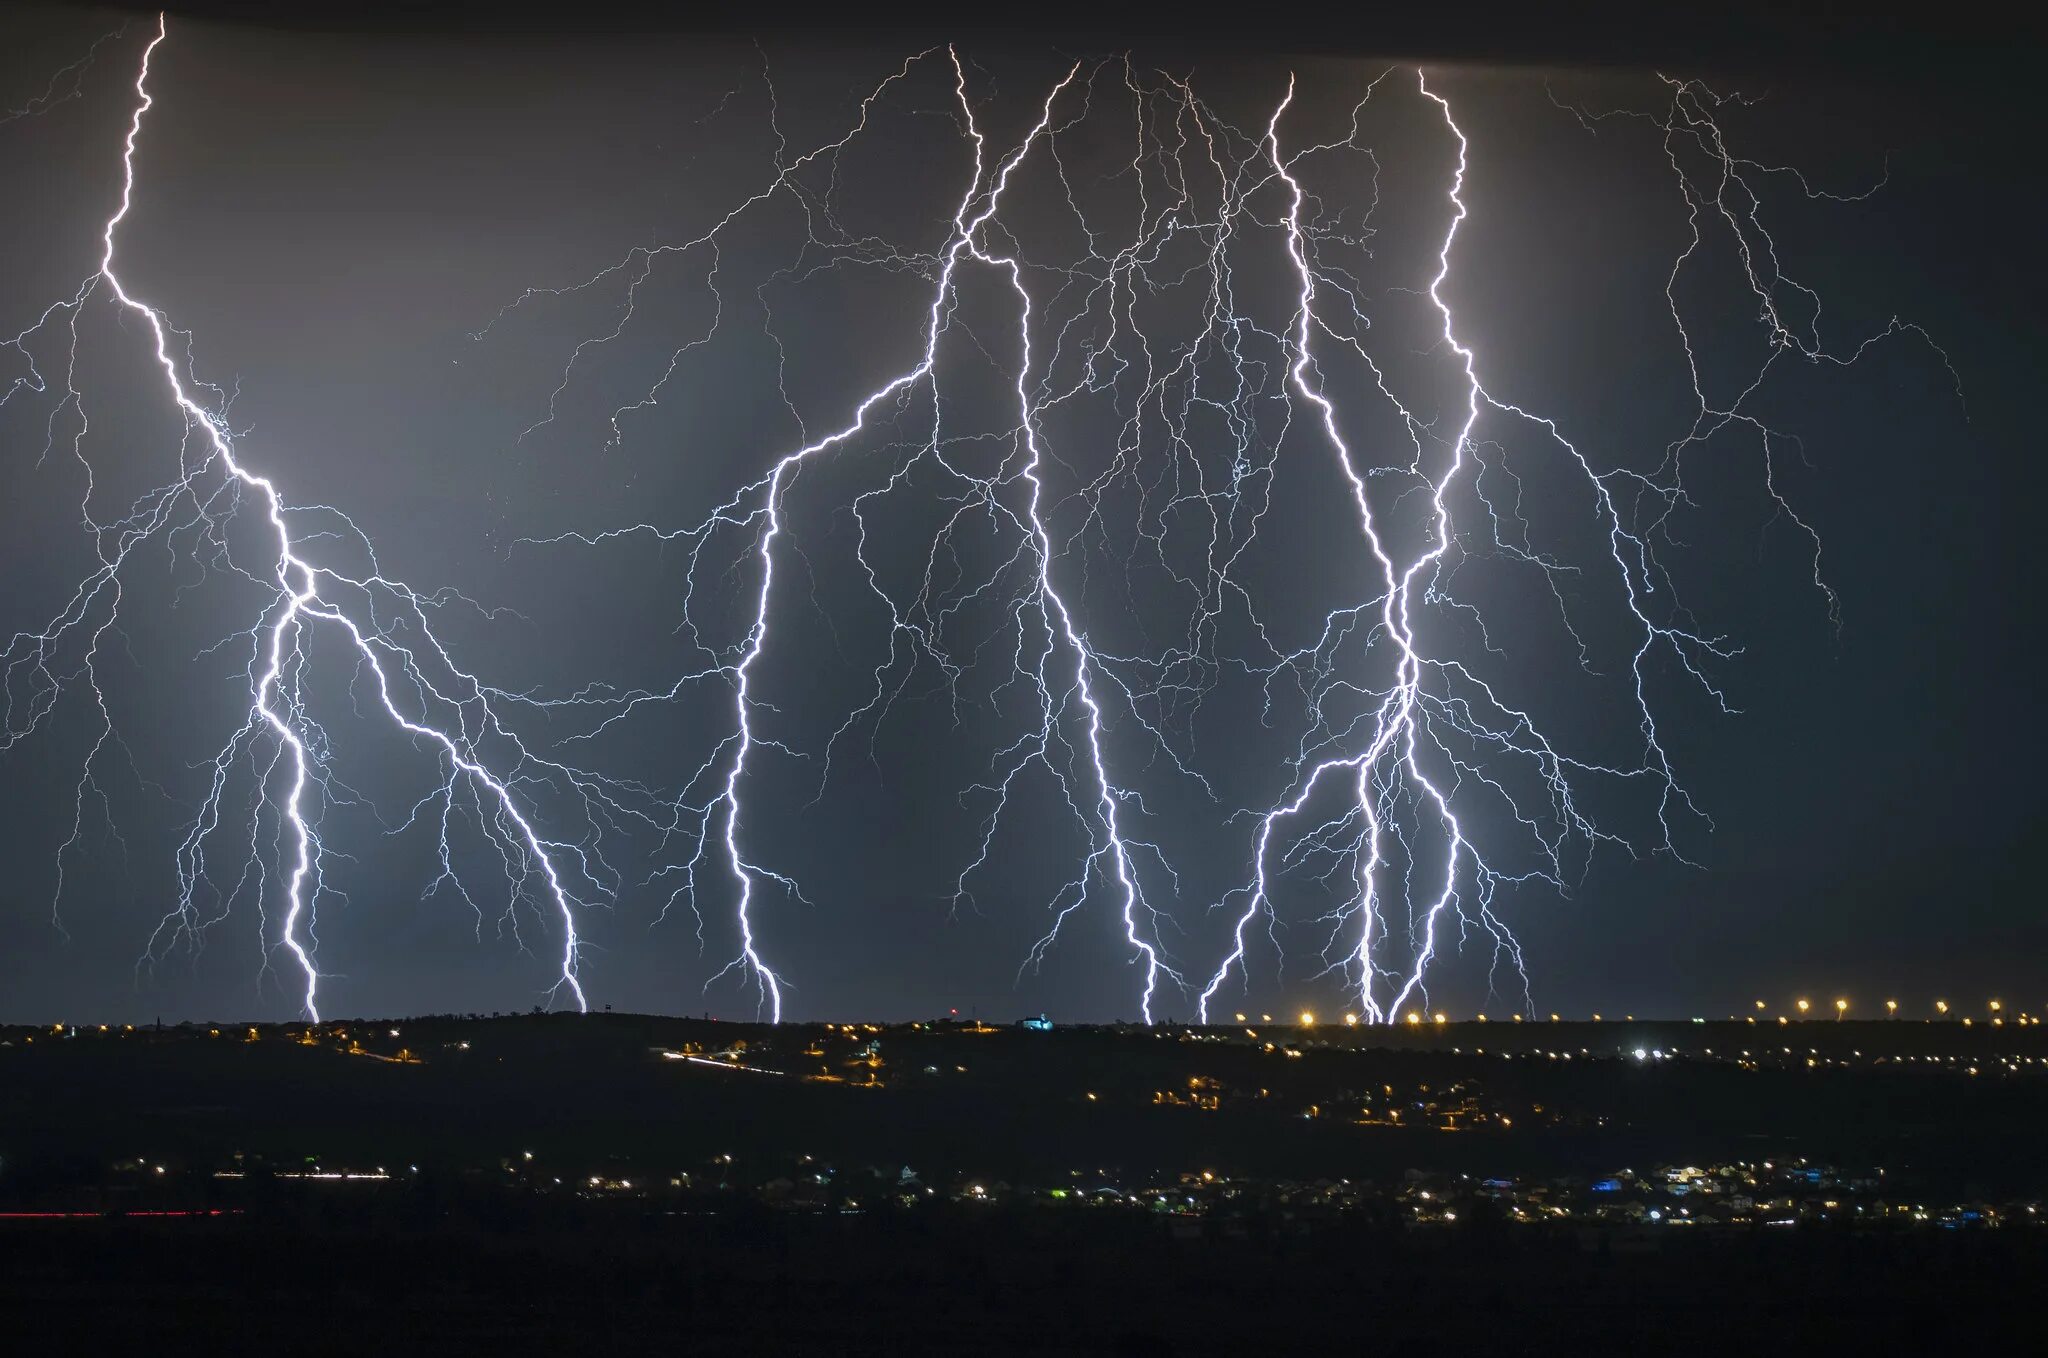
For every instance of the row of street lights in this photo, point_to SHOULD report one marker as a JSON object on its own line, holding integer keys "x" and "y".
{"x": 1996, "y": 1008}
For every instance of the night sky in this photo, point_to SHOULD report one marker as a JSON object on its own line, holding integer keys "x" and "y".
{"x": 334, "y": 217}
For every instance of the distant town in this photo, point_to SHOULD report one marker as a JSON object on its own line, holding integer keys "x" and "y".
{"x": 1617, "y": 1130}
{"x": 615, "y": 1182}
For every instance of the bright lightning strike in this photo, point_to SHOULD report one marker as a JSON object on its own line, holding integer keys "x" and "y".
{"x": 413, "y": 680}
{"x": 1403, "y": 738}
{"x": 1198, "y": 291}
{"x": 1436, "y": 735}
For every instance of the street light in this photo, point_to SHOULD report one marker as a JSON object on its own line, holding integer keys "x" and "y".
{"x": 1803, "y": 1006}
{"x": 1941, "y": 1006}
{"x": 1841, "y": 1008}
{"x": 1891, "y": 1007}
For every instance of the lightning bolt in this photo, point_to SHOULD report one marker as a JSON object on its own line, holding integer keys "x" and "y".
{"x": 1404, "y": 742}
{"x": 1418, "y": 787}
{"x": 1436, "y": 733}
{"x": 762, "y": 503}
{"x": 382, "y": 622}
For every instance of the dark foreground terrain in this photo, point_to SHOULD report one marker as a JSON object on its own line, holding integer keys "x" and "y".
{"x": 614, "y": 1183}
{"x": 993, "y": 1286}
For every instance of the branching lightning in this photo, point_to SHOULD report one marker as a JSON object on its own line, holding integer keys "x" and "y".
{"x": 416, "y": 683}
{"x": 1202, "y": 300}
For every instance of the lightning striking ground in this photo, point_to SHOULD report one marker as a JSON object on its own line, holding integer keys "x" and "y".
{"x": 212, "y": 487}
{"x": 1128, "y": 255}
{"x": 1434, "y": 735}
